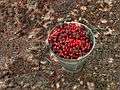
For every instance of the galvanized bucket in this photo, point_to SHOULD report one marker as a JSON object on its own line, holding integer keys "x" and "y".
{"x": 75, "y": 65}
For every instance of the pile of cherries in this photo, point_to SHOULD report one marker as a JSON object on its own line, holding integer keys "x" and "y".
{"x": 70, "y": 41}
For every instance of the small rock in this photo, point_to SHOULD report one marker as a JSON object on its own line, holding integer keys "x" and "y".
{"x": 43, "y": 62}
{"x": 96, "y": 68}
{"x": 90, "y": 86}
{"x": 26, "y": 85}
{"x": 63, "y": 79}
{"x": 83, "y": 8}
{"x": 103, "y": 21}
{"x": 110, "y": 60}
{"x": 75, "y": 87}
{"x": 81, "y": 82}
{"x": 2, "y": 84}
{"x": 57, "y": 85}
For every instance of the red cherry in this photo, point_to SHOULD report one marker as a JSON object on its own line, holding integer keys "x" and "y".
{"x": 70, "y": 41}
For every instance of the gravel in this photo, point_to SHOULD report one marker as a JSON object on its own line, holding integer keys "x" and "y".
{"x": 24, "y": 28}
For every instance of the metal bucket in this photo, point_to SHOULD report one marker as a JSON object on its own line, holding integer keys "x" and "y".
{"x": 75, "y": 65}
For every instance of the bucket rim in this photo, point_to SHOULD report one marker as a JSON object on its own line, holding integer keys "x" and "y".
{"x": 81, "y": 57}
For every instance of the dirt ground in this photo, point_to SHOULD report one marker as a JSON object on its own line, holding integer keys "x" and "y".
{"x": 24, "y": 27}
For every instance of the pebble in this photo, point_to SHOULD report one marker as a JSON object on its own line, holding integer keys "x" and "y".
{"x": 90, "y": 86}
{"x": 103, "y": 21}
{"x": 57, "y": 85}
{"x": 110, "y": 60}
{"x": 81, "y": 82}
{"x": 83, "y": 8}
{"x": 43, "y": 62}
{"x": 75, "y": 87}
